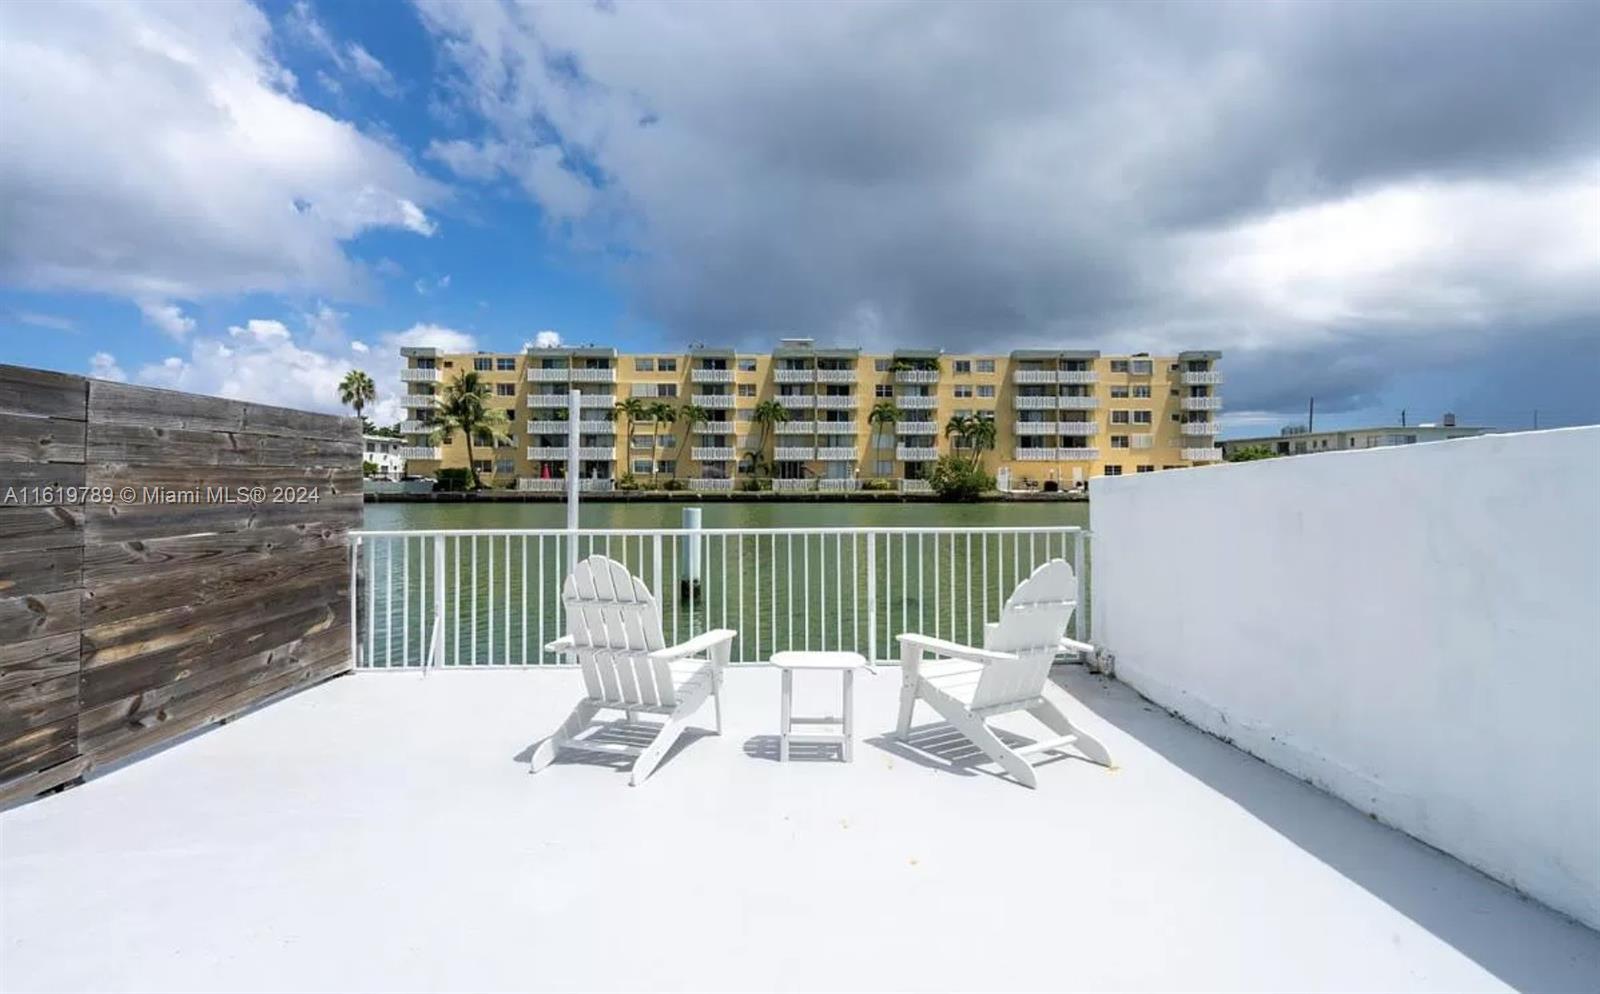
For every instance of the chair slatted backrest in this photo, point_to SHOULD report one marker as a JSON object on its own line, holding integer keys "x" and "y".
{"x": 1031, "y": 625}
{"x": 615, "y": 624}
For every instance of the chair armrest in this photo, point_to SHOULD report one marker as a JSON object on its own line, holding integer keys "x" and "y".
{"x": 1083, "y": 649}
{"x": 953, "y": 650}
{"x": 695, "y": 646}
{"x": 562, "y": 644}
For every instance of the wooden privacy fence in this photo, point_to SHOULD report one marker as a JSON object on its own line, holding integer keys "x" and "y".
{"x": 166, "y": 561}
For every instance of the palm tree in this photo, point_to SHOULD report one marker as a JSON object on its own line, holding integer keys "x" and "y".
{"x": 659, "y": 413}
{"x": 959, "y": 428}
{"x": 630, "y": 411}
{"x": 690, "y": 415}
{"x": 884, "y": 413}
{"x": 357, "y": 390}
{"x": 767, "y": 416}
{"x": 980, "y": 435}
{"x": 464, "y": 407}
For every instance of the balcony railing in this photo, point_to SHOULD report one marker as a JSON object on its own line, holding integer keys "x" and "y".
{"x": 836, "y": 486}
{"x": 836, "y": 376}
{"x": 916, "y": 428}
{"x": 1077, "y": 455}
{"x": 837, "y": 427}
{"x": 1066, "y": 403}
{"x": 795, "y": 427}
{"x": 417, "y": 427}
{"x": 593, "y": 427}
{"x": 1075, "y": 377}
{"x": 792, "y": 453}
{"x": 916, "y": 487}
{"x": 916, "y": 453}
{"x": 1023, "y": 402}
{"x": 422, "y": 401}
{"x": 794, "y": 486}
{"x": 1035, "y": 455}
{"x": 412, "y": 375}
{"x": 794, "y": 376}
{"x": 594, "y": 376}
{"x": 714, "y": 401}
{"x": 1202, "y": 455}
{"x": 538, "y": 374}
{"x": 916, "y": 402}
{"x": 698, "y": 375}
{"x": 712, "y": 453}
{"x": 425, "y": 452}
{"x": 711, "y": 484}
{"x": 1201, "y": 403}
{"x": 825, "y": 402}
{"x": 560, "y": 452}
{"x": 1033, "y": 376}
{"x": 1035, "y": 428}
{"x": 836, "y": 453}
{"x": 923, "y": 376}
{"x": 806, "y": 401}
{"x": 1199, "y": 427}
{"x": 1209, "y": 378}
{"x": 493, "y": 598}
{"x": 597, "y": 400}
{"x": 587, "y": 485}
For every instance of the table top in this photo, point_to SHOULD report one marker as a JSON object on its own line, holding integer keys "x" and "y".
{"x": 801, "y": 660}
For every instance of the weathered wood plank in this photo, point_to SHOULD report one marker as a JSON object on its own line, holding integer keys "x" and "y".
{"x": 344, "y": 479}
{"x": 39, "y": 528}
{"x": 33, "y": 784}
{"x": 38, "y": 748}
{"x": 40, "y": 571}
{"x": 125, "y": 404}
{"x": 32, "y": 439}
{"x": 38, "y": 704}
{"x": 19, "y": 480}
{"x": 42, "y": 394}
{"x": 22, "y": 663}
{"x": 264, "y": 420}
{"x": 109, "y": 601}
{"x": 120, "y": 560}
{"x": 38, "y": 615}
{"x": 121, "y": 443}
{"x": 125, "y": 522}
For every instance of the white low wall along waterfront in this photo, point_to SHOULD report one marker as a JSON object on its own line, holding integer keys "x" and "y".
{"x": 1413, "y": 629}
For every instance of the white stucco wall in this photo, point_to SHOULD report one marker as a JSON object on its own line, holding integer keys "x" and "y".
{"x": 1414, "y": 629}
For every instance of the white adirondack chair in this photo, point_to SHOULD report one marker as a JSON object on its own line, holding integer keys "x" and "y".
{"x": 967, "y": 686}
{"x": 614, "y": 631}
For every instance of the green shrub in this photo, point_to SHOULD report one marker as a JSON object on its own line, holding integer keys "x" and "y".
{"x": 877, "y": 484}
{"x": 1251, "y": 453}
{"x": 754, "y": 485}
{"x": 452, "y": 480}
{"x": 954, "y": 478}
{"x": 628, "y": 482}
{"x": 674, "y": 484}
{"x": 369, "y": 468}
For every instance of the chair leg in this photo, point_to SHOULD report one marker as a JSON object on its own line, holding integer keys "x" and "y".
{"x": 652, "y": 754}
{"x": 576, "y": 722}
{"x": 978, "y": 733}
{"x": 1052, "y": 718}
{"x": 716, "y": 695}
{"x": 908, "y": 703}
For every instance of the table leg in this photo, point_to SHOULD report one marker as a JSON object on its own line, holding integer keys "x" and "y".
{"x": 784, "y": 717}
{"x": 849, "y": 716}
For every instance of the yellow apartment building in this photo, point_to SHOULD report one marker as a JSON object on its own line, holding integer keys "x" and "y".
{"x": 1060, "y": 415}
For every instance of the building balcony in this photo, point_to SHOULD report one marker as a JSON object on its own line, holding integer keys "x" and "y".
{"x": 593, "y": 427}
{"x": 795, "y": 428}
{"x": 421, "y": 452}
{"x": 794, "y": 453}
{"x": 587, "y": 485}
{"x": 837, "y": 427}
{"x": 711, "y": 484}
{"x": 916, "y": 428}
{"x": 713, "y": 401}
{"x": 836, "y": 376}
{"x": 1035, "y": 428}
{"x": 1035, "y": 455}
{"x": 1077, "y": 454}
{"x": 698, "y": 375}
{"x": 1075, "y": 377}
{"x": 916, "y": 487}
{"x": 794, "y": 376}
{"x": 1199, "y": 427}
{"x": 1202, "y": 455}
{"x": 1026, "y": 403}
{"x": 417, "y": 427}
{"x": 1033, "y": 376}
{"x": 538, "y": 374}
{"x": 836, "y": 453}
{"x": 916, "y": 453}
{"x": 712, "y": 453}
{"x": 1066, "y": 403}
{"x": 839, "y": 485}
{"x": 414, "y": 375}
{"x": 560, "y": 452}
{"x": 420, "y": 400}
{"x": 1209, "y": 378}
{"x": 1201, "y": 403}
{"x": 594, "y": 376}
{"x": 923, "y": 376}
{"x": 794, "y": 486}
{"x": 826, "y": 402}
{"x": 806, "y": 401}
{"x": 916, "y": 402}
{"x": 591, "y": 400}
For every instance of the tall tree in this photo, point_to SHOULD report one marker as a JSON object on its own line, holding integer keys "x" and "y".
{"x": 883, "y": 418}
{"x": 767, "y": 416}
{"x": 959, "y": 430}
{"x": 660, "y": 413}
{"x": 980, "y": 435}
{"x": 630, "y": 411}
{"x": 357, "y": 390}
{"x": 464, "y": 407}
{"x": 691, "y": 416}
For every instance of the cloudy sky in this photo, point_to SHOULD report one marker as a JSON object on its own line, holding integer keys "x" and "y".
{"x": 1384, "y": 206}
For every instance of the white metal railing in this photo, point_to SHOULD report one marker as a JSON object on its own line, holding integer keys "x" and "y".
{"x": 1195, "y": 379}
{"x": 1031, "y": 376}
{"x": 1199, "y": 427}
{"x": 538, "y": 374}
{"x": 1077, "y": 454}
{"x": 916, "y": 427}
{"x": 794, "y": 486}
{"x": 789, "y": 453}
{"x": 916, "y": 453}
{"x": 1035, "y": 428}
{"x": 492, "y": 598}
{"x": 710, "y": 483}
{"x": 417, "y": 427}
{"x": 712, "y": 453}
{"x": 795, "y": 427}
{"x": 916, "y": 402}
{"x": 1202, "y": 455}
{"x": 1077, "y": 403}
{"x": 794, "y": 375}
{"x": 420, "y": 451}
{"x": 599, "y": 426}
{"x": 586, "y": 485}
{"x": 836, "y": 376}
{"x": 1024, "y": 402}
{"x": 801, "y": 400}
{"x": 421, "y": 401}
{"x": 412, "y": 375}
{"x": 699, "y": 375}
{"x": 596, "y": 400}
{"x": 830, "y": 402}
{"x": 835, "y": 453}
{"x": 594, "y": 375}
{"x": 916, "y": 487}
{"x": 1035, "y": 455}
{"x": 1075, "y": 376}
{"x": 916, "y": 376}
{"x": 560, "y": 452}
{"x": 1201, "y": 403}
{"x": 846, "y": 485}
{"x": 713, "y": 401}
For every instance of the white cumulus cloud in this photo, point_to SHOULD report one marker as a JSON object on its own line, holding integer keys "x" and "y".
{"x": 169, "y": 318}
{"x": 103, "y": 366}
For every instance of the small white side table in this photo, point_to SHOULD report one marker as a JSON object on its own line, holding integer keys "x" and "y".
{"x": 845, "y": 662}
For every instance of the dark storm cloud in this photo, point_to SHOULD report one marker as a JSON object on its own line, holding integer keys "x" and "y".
{"x": 1323, "y": 191}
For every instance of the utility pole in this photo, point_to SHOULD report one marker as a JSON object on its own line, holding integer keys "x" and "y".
{"x": 1311, "y": 416}
{"x": 1402, "y": 417}
{"x": 1535, "y": 419}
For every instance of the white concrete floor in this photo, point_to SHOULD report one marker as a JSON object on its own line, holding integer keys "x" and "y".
{"x": 381, "y": 832}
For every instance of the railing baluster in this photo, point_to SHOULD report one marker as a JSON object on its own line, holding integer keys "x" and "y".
{"x": 388, "y": 603}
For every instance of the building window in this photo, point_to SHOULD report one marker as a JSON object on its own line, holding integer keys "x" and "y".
{"x": 1141, "y": 391}
{"x": 1141, "y": 417}
{"x": 641, "y": 466}
{"x": 505, "y": 389}
{"x": 1113, "y": 471}
{"x": 963, "y": 390}
{"x": 747, "y": 365}
{"x": 1119, "y": 441}
{"x": 744, "y": 414}
{"x": 1147, "y": 469}
{"x": 883, "y": 390}
{"x": 747, "y": 389}
{"x": 1119, "y": 417}
{"x": 1140, "y": 367}
{"x": 1119, "y": 393}
{"x": 963, "y": 366}
{"x": 986, "y": 390}
{"x": 505, "y": 467}
{"x": 985, "y": 365}
{"x": 882, "y": 365}
{"x": 1118, "y": 366}
{"x": 483, "y": 465}
{"x": 644, "y": 364}
{"x": 669, "y": 467}
{"x": 482, "y": 365}
{"x": 666, "y": 389}
{"x": 506, "y": 364}
{"x": 666, "y": 364}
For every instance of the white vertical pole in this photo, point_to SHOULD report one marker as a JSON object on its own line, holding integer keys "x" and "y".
{"x": 872, "y": 600}
{"x": 1079, "y": 616}
{"x": 573, "y": 413}
{"x": 436, "y": 644}
{"x": 689, "y": 561}
{"x": 355, "y": 602}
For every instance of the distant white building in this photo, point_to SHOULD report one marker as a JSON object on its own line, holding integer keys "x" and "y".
{"x": 384, "y": 452}
{"x": 1298, "y": 441}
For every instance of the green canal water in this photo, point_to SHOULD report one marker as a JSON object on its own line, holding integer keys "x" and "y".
{"x": 778, "y": 590}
